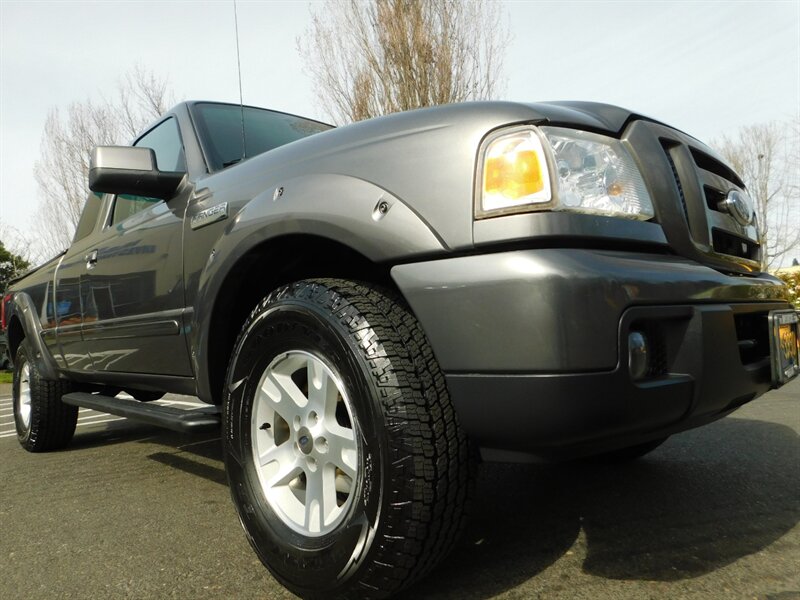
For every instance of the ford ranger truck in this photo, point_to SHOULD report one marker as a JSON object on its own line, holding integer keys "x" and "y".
{"x": 369, "y": 309}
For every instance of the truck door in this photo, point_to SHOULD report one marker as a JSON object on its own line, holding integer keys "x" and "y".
{"x": 133, "y": 285}
{"x": 65, "y": 308}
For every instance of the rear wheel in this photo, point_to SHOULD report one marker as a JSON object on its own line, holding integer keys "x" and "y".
{"x": 347, "y": 465}
{"x": 43, "y": 421}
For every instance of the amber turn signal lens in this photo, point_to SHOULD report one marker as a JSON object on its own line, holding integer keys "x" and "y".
{"x": 514, "y": 175}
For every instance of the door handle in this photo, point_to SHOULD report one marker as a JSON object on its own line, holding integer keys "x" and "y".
{"x": 91, "y": 259}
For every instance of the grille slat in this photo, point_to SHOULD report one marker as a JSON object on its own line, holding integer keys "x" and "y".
{"x": 733, "y": 245}
{"x": 665, "y": 144}
{"x": 712, "y": 165}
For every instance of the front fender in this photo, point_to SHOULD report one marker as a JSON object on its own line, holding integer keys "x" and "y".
{"x": 348, "y": 210}
{"x": 339, "y": 207}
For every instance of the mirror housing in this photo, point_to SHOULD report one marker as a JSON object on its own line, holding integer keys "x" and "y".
{"x": 130, "y": 170}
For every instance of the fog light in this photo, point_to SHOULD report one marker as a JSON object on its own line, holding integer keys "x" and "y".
{"x": 637, "y": 354}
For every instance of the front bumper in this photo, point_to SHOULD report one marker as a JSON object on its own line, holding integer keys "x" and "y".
{"x": 534, "y": 344}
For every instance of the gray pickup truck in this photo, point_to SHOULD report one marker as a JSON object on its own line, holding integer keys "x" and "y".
{"x": 369, "y": 309}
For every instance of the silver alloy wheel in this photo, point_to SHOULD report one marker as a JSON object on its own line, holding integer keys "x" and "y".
{"x": 305, "y": 446}
{"x": 25, "y": 395}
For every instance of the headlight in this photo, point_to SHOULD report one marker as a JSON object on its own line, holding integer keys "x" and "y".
{"x": 590, "y": 173}
{"x": 595, "y": 174}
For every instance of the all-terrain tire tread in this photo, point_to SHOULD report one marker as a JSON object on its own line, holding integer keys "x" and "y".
{"x": 431, "y": 459}
{"x": 52, "y": 422}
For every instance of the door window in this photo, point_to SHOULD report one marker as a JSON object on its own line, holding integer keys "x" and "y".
{"x": 165, "y": 141}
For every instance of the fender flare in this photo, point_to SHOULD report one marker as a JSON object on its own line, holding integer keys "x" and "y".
{"x": 344, "y": 209}
{"x": 27, "y": 315}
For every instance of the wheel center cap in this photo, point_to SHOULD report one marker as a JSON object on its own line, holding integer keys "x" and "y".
{"x": 304, "y": 441}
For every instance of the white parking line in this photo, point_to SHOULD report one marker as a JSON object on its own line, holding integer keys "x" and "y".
{"x": 96, "y": 416}
{"x": 108, "y": 420}
{"x": 82, "y": 411}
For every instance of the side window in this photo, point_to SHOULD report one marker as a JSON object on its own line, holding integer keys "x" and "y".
{"x": 126, "y": 206}
{"x": 165, "y": 140}
{"x": 166, "y": 143}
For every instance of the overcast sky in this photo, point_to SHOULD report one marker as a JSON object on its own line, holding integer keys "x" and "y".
{"x": 707, "y": 68}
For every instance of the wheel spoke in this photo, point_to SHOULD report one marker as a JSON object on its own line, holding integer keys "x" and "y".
{"x": 314, "y": 500}
{"x": 25, "y": 395}
{"x": 282, "y": 395}
{"x": 320, "y": 496}
{"x": 342, "y": 450}
{"x": 283, "y": 453}
{"x": 328, "y": 497}
{"x": 286, "y": 472}
{"x": 322, "y": 391}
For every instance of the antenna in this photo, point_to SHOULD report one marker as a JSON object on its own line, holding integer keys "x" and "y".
{"x": 239, "y": 68}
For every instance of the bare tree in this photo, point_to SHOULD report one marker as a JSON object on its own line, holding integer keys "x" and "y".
{"x": 68, "y": 137}
{"x": 141, "y": 97}
{"x": 369, "y": 58}
{"x": 765, "y": 155}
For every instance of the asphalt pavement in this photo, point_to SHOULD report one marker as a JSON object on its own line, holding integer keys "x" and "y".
{"x": 131, "y": 511}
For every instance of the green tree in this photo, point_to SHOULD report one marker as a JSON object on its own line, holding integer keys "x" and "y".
{"x": 11, "y": 265}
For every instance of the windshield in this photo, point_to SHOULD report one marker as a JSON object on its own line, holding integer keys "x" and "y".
{"x": 220, "y": 128}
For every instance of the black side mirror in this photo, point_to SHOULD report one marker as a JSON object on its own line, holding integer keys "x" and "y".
{"x": 130, "y": 170}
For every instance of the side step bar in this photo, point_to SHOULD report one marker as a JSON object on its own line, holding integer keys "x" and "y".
{"x": 185, "y": 421}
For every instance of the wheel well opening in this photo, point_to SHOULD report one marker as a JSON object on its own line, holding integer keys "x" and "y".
{"x": 268, "y": 266}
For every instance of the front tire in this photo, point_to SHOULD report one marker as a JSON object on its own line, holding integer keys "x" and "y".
{"x": 43, "y": 421}
{"x": 346, "y": 462}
